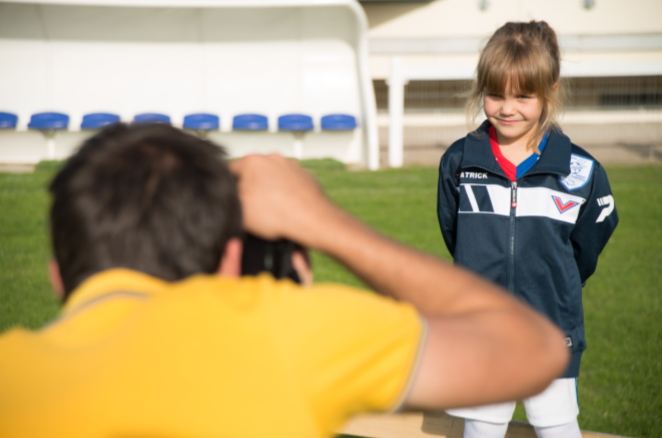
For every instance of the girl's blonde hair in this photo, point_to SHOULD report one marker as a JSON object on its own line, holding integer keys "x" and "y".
{"x": 525, "y": 57}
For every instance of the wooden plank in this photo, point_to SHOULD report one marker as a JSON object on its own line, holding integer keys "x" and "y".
{"x": 429, "y": 425}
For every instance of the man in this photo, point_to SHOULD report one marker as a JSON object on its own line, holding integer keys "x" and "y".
{"x": 159, "y": 336}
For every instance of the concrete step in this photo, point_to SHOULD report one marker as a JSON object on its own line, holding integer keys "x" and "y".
{"x": 430, "y": 425}
{"x": 17, "y": 167}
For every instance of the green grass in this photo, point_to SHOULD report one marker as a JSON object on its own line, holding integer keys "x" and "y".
{"x": 26, "y": 297}
{"x": 621, "y": 378}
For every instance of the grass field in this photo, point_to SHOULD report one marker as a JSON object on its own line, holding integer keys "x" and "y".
{"x": 620, "y": 387}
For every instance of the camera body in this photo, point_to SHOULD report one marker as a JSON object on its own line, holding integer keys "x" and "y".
{"x": 272, "y": 256}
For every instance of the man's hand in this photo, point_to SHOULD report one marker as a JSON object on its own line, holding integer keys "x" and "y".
{"x": 483, "y": 346}
{"x": 279, "y": 198}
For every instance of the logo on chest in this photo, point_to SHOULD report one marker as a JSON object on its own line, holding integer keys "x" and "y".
{"x": 563, "y": 207}
{"x": 580, "y": 172}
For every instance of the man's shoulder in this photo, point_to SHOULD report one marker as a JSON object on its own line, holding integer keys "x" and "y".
{"x": 283, "y": 297}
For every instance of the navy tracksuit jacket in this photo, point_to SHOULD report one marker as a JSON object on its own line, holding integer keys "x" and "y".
{"x": 538, "y": 237}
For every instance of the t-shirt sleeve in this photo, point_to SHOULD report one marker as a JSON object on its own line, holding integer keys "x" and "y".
{"x": 352, "y": 351}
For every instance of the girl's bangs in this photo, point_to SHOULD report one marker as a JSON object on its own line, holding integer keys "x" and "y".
{"x": 518, "y": 73}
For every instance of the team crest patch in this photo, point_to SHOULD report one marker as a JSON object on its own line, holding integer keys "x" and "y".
{"x": 580, "y": 172}
{"x": 563, "y": 207}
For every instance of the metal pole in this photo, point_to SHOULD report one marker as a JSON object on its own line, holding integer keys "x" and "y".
{"x": 298, "y": 145}
{"x": 50, "y": 143}
{"x": 396, "y": 106}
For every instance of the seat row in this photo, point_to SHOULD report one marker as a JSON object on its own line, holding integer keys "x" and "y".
{"x": 198, "y": 122}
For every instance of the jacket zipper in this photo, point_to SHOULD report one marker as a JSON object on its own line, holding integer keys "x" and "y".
{"x": 511, "y": 252}
{"x": 513, "y": 211}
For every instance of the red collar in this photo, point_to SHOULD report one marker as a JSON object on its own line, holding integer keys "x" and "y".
{"x": 508, "y": 168}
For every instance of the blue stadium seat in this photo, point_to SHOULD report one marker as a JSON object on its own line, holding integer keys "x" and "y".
{"x": 295, "y": 122}
{"x": 8, "y": 120}
{"x": 49, "y": 121}
{"x": 201, "y": 122}
{"x": 147, "y": 118}
{"x": 99, "y": 120}
{"x": 250, "y": 122}
{"x": 338, "y": 122}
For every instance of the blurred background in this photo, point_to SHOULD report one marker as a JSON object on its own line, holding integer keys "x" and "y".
{"x": 390, "y": 74}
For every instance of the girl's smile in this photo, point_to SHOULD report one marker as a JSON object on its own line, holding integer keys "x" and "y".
{"x": 506, "y": 122}
{"x": 514, "y": 116}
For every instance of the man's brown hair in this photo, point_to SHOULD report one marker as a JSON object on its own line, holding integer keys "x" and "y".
{"x": 149, "y": 198}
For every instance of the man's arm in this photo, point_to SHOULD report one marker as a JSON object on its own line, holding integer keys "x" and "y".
{"x": 483, "y": 345}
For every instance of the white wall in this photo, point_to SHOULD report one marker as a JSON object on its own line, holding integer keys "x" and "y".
{"x": 462, "y": 18}
{"x": 450, "y": 32}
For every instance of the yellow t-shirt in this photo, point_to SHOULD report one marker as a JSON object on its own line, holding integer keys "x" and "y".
{"x": 133, "y": 356}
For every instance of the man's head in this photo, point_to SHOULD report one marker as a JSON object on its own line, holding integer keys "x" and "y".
{"x": 149, "y": 198}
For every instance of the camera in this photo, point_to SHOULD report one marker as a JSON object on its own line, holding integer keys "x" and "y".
{"x": 272, "y": 256}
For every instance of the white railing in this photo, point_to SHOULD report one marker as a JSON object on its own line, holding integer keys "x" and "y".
{"x": 401, "y": 74}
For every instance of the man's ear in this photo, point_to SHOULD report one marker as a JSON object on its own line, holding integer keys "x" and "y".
{"x": 301, "y": 264}
{"x": 55, "y": 277}
{"x": 230, "y": 265}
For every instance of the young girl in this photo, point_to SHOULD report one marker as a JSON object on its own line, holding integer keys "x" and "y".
{"x": 521, "y": 205}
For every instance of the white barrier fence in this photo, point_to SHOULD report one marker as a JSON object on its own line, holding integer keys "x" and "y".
{"x": 400, "y": 75}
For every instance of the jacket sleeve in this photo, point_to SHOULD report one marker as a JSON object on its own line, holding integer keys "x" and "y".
{"x": 448, "y": 196}
{"x": 595, "y": 224}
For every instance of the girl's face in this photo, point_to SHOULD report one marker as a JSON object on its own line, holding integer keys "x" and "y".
{"x": 514, "y": 116}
